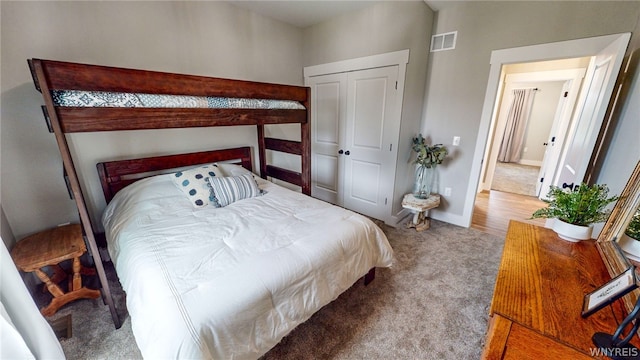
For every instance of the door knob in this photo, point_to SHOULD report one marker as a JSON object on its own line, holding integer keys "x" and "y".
{"x": 340, "y": 151}
{"x": 347, "y": 152}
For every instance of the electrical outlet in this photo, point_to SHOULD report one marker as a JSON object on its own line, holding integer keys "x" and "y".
{"x": 456, "y": 140}
{"x": 447, "y": 191}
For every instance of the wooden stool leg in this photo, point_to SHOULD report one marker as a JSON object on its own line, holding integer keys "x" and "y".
{"x": 58, "y": 302}
{"x": 53, "y": 288}
{"x": 60, "y": 298}
{"x": 416, "y": 217}
{"x": 58, "y": 275}
{"x": 77, "y": 279}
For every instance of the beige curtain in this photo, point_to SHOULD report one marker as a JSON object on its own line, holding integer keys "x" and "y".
{"x": 513, "y": 139}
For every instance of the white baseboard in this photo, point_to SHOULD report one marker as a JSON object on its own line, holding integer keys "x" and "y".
{"x": 458, "y": 220}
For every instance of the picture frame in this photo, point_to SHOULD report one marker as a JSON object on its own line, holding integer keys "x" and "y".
{"x": 611, "y": 291}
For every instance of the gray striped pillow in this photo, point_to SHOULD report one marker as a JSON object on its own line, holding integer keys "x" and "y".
{"x": 230, "y": 189}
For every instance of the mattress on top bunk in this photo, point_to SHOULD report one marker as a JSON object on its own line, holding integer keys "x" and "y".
{"x": 231, "y": 282}
{"x": 79, "y": 98}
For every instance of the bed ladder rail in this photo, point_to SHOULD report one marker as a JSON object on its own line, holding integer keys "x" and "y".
{"x": 302, "y": 178}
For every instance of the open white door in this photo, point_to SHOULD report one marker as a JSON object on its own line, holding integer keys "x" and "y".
{"x": 555, "y": 141}
{"x": 598, "y": 87}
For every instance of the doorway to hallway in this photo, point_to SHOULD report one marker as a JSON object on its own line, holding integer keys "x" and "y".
{"x": 606, "y": 54}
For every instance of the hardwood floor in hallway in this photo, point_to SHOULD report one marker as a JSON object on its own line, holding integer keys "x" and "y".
{"x": 494, "y": 209}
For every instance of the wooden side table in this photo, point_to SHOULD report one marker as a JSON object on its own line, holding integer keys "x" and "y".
{"x": 50, "y": 248}
{"x": 538, "y": 294}
{"x": 420, "y": 209}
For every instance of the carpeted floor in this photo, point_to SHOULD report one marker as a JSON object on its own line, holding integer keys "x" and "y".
{"x": 432, "y": 304}
{"x": 515, "y": 178}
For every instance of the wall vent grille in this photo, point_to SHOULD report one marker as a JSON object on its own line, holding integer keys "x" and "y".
{"x": 445, "y": 41}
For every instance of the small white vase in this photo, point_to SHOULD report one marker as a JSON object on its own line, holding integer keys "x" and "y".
{"x": 570, "y": 232}
{"x": 630, "y": 246}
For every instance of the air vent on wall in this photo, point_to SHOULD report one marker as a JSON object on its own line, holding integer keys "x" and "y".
{"x": 446, "y": 41}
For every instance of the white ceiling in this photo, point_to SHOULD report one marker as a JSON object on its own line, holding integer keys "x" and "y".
{"x": 303, "y": 13}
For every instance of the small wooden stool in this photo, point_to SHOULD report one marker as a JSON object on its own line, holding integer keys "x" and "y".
{"x": 50, "y": 248}
{"x": 420, "y": 208}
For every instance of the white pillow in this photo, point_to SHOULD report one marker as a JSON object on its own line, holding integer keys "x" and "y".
{"x": 233, "y": 169}
{"x": 193, "y": 183}
{"x": 230, "y": 189}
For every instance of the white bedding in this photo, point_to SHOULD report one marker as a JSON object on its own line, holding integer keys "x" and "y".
{"x": 229, "y": 283}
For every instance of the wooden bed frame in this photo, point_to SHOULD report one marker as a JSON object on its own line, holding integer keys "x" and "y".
{"x": 115, "y": 175}
{"x": 55, "y": 75}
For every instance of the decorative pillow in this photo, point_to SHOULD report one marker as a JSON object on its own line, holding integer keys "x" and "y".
{"x": 230, "y": 189}
{"x": 193, "y": 182}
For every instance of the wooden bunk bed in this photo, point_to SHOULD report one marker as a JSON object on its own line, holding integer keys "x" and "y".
{"x": 51, "y": 75}
{"x": 366, "y": 245}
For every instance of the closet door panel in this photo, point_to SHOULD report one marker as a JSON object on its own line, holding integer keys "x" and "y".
{"x": 368, "y": 113}
{"x": 328, "y": 99}
{"x": 326, "y": 176}
{"x": 369, "y": 163}
{"x": 367, "y": 192}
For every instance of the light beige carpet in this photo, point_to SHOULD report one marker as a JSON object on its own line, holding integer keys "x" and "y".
{"x": 432, "y": 304}
{"x": 515, "y": 178}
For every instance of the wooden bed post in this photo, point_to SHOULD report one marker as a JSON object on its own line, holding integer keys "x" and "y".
{"x": 262, "y": 152}
{"x": 305, "y": 137}
{"x": 78, "y": 196}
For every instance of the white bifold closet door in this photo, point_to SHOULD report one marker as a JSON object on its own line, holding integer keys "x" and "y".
{"x": 354, "y": 135}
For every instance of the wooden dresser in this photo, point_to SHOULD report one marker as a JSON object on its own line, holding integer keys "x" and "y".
{"x": 536, "y": 306}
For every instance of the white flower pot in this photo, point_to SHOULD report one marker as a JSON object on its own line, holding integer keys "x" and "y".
{"x": 630, "y": 246}
{"x": 570, "y": 232}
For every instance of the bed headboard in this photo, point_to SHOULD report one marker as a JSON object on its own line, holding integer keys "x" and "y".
{"x": 115, "y": 175}
{"x": 51, "y": 77}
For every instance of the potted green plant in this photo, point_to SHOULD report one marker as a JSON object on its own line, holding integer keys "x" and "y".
{"x": 630, "y": 241}
{"x": 428, "y": 157}
{"x": 576, "y": 210}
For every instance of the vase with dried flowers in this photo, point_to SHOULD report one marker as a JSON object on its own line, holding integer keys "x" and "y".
{"x": 428, "y": 157}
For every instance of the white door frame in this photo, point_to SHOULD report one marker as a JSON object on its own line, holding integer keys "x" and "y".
{"x": 561, "y": 122}
{"x": 399, "y": 58}
{"x": 542, "y": 52}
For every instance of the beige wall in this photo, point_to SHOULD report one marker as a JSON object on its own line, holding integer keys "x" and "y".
{"x": 203, "y": 38}
{"x": 622, "y": 149}
{"x": 457, "y": 79}
{"x": 385, "y": 27}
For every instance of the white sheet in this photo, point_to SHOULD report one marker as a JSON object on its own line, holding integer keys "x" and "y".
{"x": 229, "y": 283}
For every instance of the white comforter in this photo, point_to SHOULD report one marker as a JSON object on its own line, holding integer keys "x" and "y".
{"x": 229, "y": 283}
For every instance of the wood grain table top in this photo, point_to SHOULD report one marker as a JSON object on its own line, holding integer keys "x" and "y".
{"x": 49, "y": 247}
{"x": 542, "y": 281}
